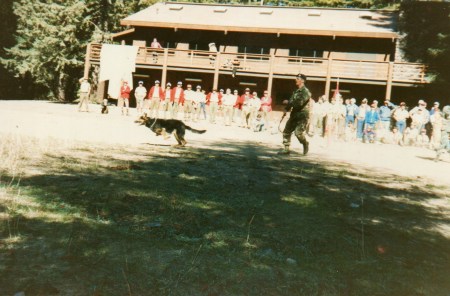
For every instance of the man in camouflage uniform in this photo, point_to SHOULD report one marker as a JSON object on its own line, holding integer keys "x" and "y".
{"x": 444, "y": 146}
{"x": 298, "y": 121}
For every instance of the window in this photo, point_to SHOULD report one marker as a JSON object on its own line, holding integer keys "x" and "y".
{"x": 306, "y": 53}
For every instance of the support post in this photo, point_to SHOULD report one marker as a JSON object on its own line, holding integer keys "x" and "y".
{"x": 216, "y": 71}
{"x": 87, "y": 62}
{"x": 101, "y": 91}
{"x": 164, "y": 69}
{"x": 270, "y": 80}
{"x": 328, "y": 79}
{"x": 389, "y": 81}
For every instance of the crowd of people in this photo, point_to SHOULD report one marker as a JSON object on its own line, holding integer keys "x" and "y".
{"x": 218, "y": 106}
{"x": 335, "y": 120}
{"x": 380, "y": 123}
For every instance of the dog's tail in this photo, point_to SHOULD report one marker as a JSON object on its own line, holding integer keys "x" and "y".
{"x": 195, "y": 130}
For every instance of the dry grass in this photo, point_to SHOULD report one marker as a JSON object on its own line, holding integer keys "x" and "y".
{"x": 83, "y": 219}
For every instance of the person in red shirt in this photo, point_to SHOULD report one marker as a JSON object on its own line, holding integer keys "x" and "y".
{"x": 266, "y": 108}
{"x": 155, "y": 96}
{"x": 124, "y": 97}
{"x": 244, "y": 107}
{"x": 176, "y": 100}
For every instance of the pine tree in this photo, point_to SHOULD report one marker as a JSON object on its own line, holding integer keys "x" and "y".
{"x": 48, "y": 43}
{"x": 52, "y": 36}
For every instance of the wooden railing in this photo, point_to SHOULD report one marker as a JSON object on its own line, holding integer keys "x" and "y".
{"x": 280, "y": 65}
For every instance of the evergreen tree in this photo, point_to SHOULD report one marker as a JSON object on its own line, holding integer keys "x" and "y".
{"x": 426, "y": 26}
{"x": 48, "y": 43}
{"x": 8, "y": 83}
{"x": 52, "y": 36}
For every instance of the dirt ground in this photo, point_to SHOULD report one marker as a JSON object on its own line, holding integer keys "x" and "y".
{"x": 94, "y": 204}
{"x": 47, "y": 120}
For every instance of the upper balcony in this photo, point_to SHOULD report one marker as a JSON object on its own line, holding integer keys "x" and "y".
{"x": 279, "y": 66}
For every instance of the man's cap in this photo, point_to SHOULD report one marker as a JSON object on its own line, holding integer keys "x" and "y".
{"x": 199, "y": 87}
{"x": 436, "y": 103}
{"x": 157, "y": 81}
{"x": 422, "y": 102}
{"x": 180, "y": 83}
{"x": 402, "y": 104}
{"x": 247, "y": 89}
{"x": 375, "y": 101}
{"x": 169, "y": 84}
{"x": 188, "y": 85}
{"x": 364, "y": 100}
{"x": 141, "y": 82}
{"x": 235, "y": 90}
{"x": 353, "y": 100}
{"x": 301, "y": 76}
{"x": 221, "y": 90}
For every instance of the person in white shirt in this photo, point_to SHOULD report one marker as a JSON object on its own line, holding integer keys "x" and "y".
{"x": 85, "y": 90}
{"x": 189, "y": 101}
{"x": 317, "y": 117}
{"x": 228, "y": 102}
{"x": 200, "y": 103}
{"x": 140, "y": 92}
{"x": 166, "y": 100}
{"x": 254, "y": 105}
{"x": 213, "y": 99}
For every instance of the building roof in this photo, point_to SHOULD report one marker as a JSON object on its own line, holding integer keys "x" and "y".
{"x": 268, "y": 19}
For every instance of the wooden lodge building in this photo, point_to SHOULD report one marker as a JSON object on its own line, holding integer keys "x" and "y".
{"x": 266, "y": 47}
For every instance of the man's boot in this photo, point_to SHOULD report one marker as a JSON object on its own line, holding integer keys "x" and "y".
{"x": 285, "y": 151}
{"x": 305, "y": 148}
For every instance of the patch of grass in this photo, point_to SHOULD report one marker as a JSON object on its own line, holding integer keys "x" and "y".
{"x": 87, "y": 220}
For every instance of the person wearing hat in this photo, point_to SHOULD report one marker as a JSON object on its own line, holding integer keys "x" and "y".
{"x": 385, "y": 116}
{"x": 420, "y": 115}
{"x": 435, "y": 108}
{"x": 266, "y": 108}
{"x": 228, "y": 101}
{"x": 155, "y": 97}
{"x": 299, "y": 106}
{"x": 372, "y": 117}
{"x": 400, "y": 115}
{"x": 85, "y": 90}
{"x": 200, "y": 103}
{"x": 176, "y": 100}
{"x": 166, "y": 99}
{"x": 361, "y": 119}
{"x": 124, "y": 98}
{"x": 139, "y": 93}
{"x": 189, "y": 102}
{"x": 243, "y": 106}
{"x": 213, "y": 100}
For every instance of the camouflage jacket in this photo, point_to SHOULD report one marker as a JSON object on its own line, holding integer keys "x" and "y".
{"x": 299, "y": 101}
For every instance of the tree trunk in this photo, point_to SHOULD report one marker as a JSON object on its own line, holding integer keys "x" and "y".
{"x": 61, "y": 90}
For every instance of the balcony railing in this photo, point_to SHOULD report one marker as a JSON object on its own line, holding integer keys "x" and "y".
{"x": 413, "y": 73}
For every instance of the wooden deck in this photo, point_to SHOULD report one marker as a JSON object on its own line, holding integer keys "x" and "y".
{"x": 276, "y": 65}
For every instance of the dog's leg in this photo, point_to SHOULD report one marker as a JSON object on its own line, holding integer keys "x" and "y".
{"x": 180, "y": 143}
{"x": 165, "y": 134}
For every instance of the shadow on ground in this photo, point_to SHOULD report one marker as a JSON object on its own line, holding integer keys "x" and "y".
{"x": 232, "y": 219}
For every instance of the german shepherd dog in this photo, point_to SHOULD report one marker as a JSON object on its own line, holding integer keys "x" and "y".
{"x": 166, "y": 127}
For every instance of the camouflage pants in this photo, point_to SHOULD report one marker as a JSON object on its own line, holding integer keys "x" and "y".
{"x": 296, "y": 124}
